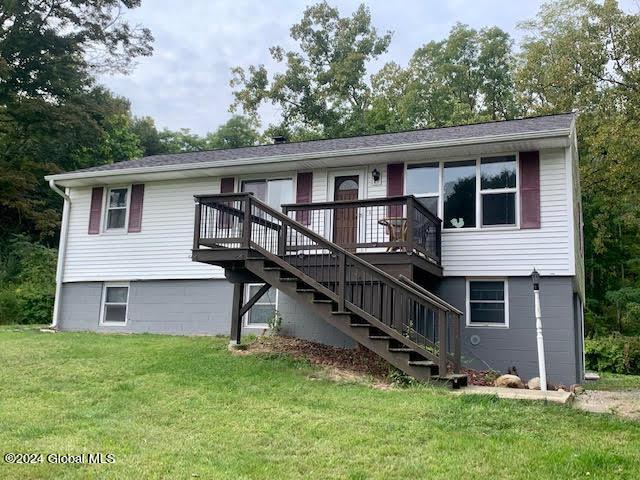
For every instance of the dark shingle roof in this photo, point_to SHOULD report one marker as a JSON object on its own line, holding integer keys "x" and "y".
{"x": 488, "y": 129}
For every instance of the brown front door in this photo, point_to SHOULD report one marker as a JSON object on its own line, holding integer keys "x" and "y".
{"x": 345, "y": 224}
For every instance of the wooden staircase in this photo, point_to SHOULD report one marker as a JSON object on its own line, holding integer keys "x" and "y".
{"x": 411, "y": 328}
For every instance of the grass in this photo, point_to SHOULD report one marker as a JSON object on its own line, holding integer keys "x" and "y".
{"x": 615, "y": 382}
{"x": 176, "y": 407}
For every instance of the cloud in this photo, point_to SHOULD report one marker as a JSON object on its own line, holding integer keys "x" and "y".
{"x": 185, "y": 84}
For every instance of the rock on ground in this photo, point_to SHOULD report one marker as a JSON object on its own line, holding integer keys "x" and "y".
{"x": 509, "y": 381}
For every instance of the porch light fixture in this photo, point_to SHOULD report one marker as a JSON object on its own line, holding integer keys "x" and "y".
{"x": 542, "y": 369}
{"x": 375, "y": 174}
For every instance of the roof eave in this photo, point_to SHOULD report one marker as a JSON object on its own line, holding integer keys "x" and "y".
{"x": 561, "y": 132}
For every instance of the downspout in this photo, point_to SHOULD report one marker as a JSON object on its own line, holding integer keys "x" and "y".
{"x": 62, "y": 249}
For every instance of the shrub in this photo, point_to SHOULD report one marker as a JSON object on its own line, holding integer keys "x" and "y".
{"x": 27, "y": 281}
{"x": 614, "y": 353}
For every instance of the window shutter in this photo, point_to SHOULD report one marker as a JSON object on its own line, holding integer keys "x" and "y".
{"x": 395, "y": 186}
{"x": 304, "y": 184}
{"x": 135, "y": 208}
{"x": 95, "y": 212}
{"x": 227, "y": 185}
{"x": 530, "y": 189}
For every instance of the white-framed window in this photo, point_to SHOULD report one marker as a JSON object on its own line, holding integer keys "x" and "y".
{"x": 274, "y": 192}
{"x": 261, "y": 311}
{"x": 115, "y": 304}
{"x": 498, "y": 190}
{"x": 116, "y": 208}
{"x": 423, "y": 181}
{"x": 471, "y": 193}
{"x": 487, "y": 302}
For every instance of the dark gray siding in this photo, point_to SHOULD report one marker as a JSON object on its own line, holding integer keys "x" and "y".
{"x": 501, "y": 348}
{"x": 185, "y": 307}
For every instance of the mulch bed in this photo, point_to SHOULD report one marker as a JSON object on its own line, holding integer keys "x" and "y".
{"x": 358, "y": 360}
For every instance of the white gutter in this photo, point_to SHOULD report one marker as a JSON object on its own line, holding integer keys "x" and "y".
{"x": 314, "y": 155}
{"x": 62, "y": 250}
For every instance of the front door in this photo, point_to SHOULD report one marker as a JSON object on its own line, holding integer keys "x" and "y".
{"x": 345, "y": 219}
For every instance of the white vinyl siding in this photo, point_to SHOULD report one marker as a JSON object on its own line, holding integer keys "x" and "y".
{"x": 162, "y": 250}
{"x": 508, "y": 250}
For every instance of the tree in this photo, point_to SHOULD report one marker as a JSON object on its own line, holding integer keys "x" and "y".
{"x": 238, "y": 131}
{"x": 464, "y": 78}
{"x": 323, "y": 87}
{"x": 584, "y": 56}
{"x": 50, "y": 111}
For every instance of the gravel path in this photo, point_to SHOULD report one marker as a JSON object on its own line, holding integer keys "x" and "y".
{"x": 625, "y": 404}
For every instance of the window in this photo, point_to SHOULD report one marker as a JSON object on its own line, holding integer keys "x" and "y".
{"x": 116, "y": 211}
{"x": 275, "y": 192}
{"x": 423, "y": 181}
{"x": 261, "y": 311}
{"x": 115, "y": 298}
{"x": 487, "y": 303}
{"x": 498, "y": 190}
{"x": 459, "y": 179}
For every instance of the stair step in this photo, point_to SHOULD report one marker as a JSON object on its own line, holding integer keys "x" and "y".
{"x": 271, "y": 269}
{"x": 288, "y": 279}
{"x": 356, "y": 325}
{"x": 322, "y": 300}
{"x": 305, "y": 290}
{"x": 401, "y": 349}
{"x": 341, "y": 313}
{"x": 422, "y": 363}
{"x": 380, "y": 337}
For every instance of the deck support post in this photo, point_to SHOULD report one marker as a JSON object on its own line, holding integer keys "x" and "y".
{"x": 236, "y": 316}
{"x": 442, "y": 341}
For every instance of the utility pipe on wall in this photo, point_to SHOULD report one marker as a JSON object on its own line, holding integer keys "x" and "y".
{"x": 62, "y": 248}
{"x": 542, "y": 368}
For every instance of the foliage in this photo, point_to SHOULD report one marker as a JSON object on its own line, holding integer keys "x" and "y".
{"x": 614, "y": 353}
{"x": 27, "y": 281}
{"x": 274, "y": 322}
{"x": 584, "y": 55}
{"x": 323, "y": 87}
{"x": 50, "y": 109}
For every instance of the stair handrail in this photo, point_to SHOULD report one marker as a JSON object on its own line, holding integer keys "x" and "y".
{"x": 322, "y": 240}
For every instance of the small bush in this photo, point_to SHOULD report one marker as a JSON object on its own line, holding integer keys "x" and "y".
{"x": 27, "y": 281}
{"x": 9, "y": 308}
{"x": 614, "y": 353}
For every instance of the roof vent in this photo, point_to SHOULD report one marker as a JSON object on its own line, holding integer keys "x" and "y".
{"x": 278, "y": 139}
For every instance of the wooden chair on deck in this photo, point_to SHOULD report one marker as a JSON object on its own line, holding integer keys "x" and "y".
{"x": 397, "y": 231}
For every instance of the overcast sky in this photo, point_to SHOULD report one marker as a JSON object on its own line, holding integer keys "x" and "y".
{"x": 185, "y": 84}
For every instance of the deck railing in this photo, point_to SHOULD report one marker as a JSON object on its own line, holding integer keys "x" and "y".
{"x": 228, "y": 221}
{"x": 392, "y": 224}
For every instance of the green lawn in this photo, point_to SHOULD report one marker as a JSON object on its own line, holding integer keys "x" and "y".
{"x": 171, "y": 407}
{"x": 614, "y": 381}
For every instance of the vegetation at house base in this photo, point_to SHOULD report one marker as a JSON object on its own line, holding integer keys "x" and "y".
{"x": 180, "y": 407}
{"x": 577, "y": 55}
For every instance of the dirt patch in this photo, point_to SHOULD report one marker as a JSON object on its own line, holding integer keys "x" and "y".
{"x": 625, "y": 404}
{"x": 339, "y": 364}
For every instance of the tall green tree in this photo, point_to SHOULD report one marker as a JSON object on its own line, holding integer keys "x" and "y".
{"x": 324, "y": 86}
{"x": 584, "y": 56}
{"x": 50, "y": 109}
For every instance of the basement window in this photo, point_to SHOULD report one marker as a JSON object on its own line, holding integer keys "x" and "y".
{"x": 259, "y": 314}
{"x": 487, "y": 303}
{"x": 115, "y": 304}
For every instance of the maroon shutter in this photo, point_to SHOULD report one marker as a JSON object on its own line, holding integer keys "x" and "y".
{"x": 95, "y": 212}
{"x": 303, "y": 195}
{"x": 395, "y": 186}
{"x": 135, "y": 208}
{"x": 530, "y": 189}
{"x": 227, "y": 185}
